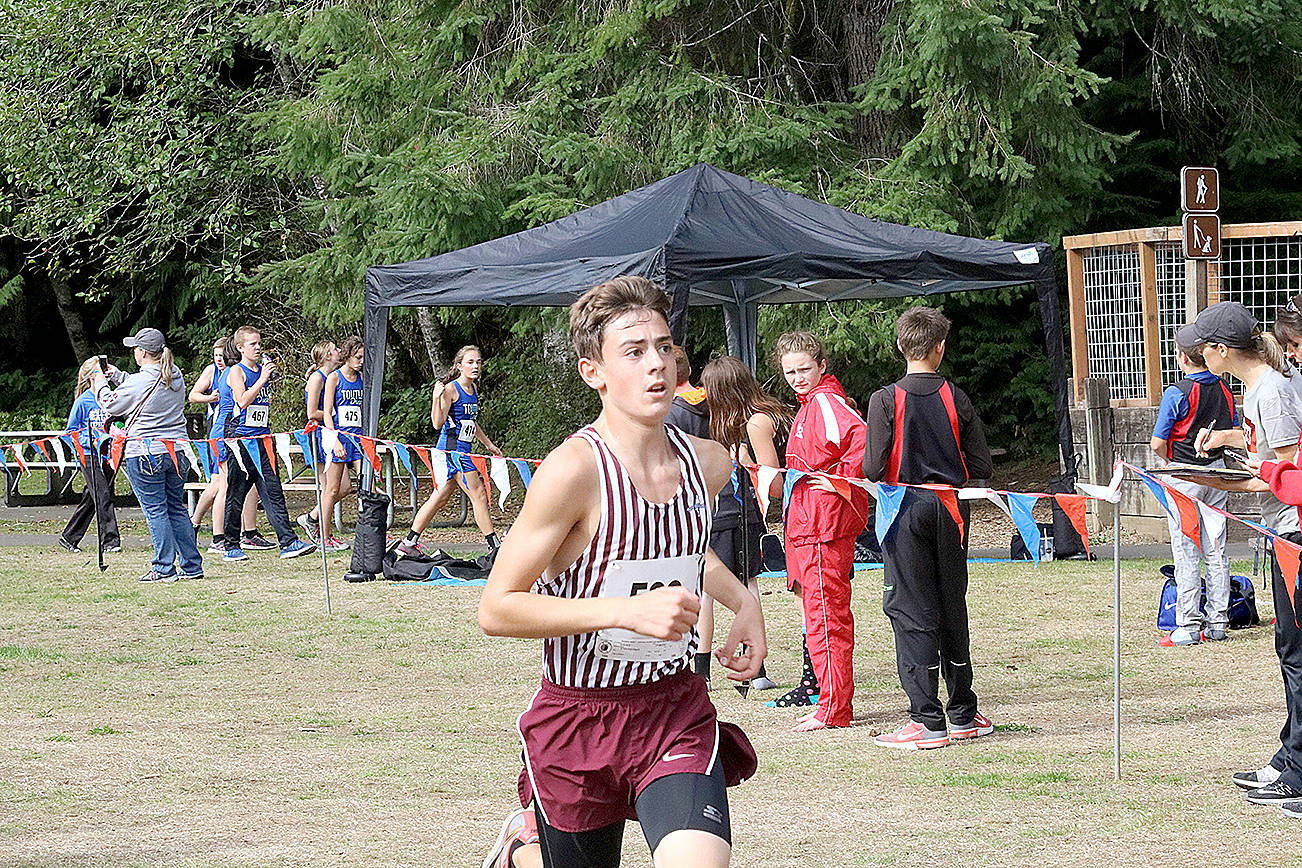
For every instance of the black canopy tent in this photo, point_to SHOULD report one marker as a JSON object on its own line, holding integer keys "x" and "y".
{"x": 714, "y": 238}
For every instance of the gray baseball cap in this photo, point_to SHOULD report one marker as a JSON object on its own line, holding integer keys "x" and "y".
{"x": 149, "y": 340}
{"x": 1226, "y": 322}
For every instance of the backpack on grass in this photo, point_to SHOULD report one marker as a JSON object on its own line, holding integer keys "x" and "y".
{"x": 1243, "y": 602}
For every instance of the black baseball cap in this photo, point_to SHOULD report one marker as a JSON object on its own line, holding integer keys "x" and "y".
{"x": 1226, "y": 322}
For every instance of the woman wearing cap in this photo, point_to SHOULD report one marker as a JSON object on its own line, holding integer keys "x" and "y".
{"x": 1234, "y": 343}
{"x": 152, "y": 403}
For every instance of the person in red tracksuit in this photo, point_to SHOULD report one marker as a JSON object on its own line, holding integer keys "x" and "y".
{"x": 823, "y": 519}
{"x": 923, "y": 431}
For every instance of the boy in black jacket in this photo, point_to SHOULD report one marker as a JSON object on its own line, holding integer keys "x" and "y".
{"x": 923, "y": 430}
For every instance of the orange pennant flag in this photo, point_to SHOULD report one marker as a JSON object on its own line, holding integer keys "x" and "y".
{"x": 368, "y": 446}
{"x": 1286, "y": 554}
{"x": 115, "y": 450}
{"x": 81, "y": 453}
{"x": 18, "y": 456}
{"x": 950, "y": 498}
{"x": 842, "y": 486}
{"x": 1188, "y": 511}
{"x": 271, "y": 452}
{"x": 1073, "y": 506}
{"x": 43, "y": 449}
{"x": 423, "y": 454}
{"x": 481, "y": 464}
{"x": 171, "y": 450}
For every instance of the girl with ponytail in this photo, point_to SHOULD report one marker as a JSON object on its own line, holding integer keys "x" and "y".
{"x": 86, "y": 423}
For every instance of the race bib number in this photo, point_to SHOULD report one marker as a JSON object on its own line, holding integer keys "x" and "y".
{"x": 257, "y": 416}
{"x": 467, "y": 430}
{"x": 350, "y": 416}
{"x": 631, "y": 578}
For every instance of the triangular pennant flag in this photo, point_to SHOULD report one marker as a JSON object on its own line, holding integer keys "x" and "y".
{"x": 889, "y": 499}
{"x": 1112, "y": 491}
{"x": 1188, "y": 513}
{"x": 1021, "y": 505}
{"x": 841, "y": 486}
{"x": 18, "y": 458}
{"x": 269, "y": 446}
{"x": 522, "y": 467}
{"x": 304, "y": 439}
{"x": 59, "y": 455}
{"x": 329, "y": 438}
{"x": 404, "y": 456}
{"x": 1286, "y": 555}
{"x": 482, "y": 466}
{"x": 253, "y": 452}
{"x": 1158, "y": 492}
{"x": 423, "y": 454}
{"x": 764, "y": 485}
{"x": 76, "y": 445}
{"x": 282, "y": 449}
{"x": 4, "y": 465}
{"x": 950, "y": 499}
{"x": 1073, "y": 506}
{"x": 501, "y": 478}
{"x": 736, "y": 485}
{"x": 234, "y": 451}
{"x": 43, "y": 449}
{"x": 368, "y": 449}
{"x": 440, "y": 466}
{"x": 115, "y": 451}
{"x": 194, "y": 459}
{"x": 170, "y": 446}
{"x": 788, "y": 484}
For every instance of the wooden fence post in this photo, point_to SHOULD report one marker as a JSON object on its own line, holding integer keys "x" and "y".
{"x": 1100, "y": 450}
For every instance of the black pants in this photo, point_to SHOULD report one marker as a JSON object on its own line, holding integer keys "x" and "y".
{"x": 98, "y": 497}
{"x": 925, "y": 597}
{"x": 1288, "y": 645}
{"x": 238, "y": 483}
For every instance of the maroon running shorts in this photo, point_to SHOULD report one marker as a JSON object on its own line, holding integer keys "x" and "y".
{"x": 589, "y": 752}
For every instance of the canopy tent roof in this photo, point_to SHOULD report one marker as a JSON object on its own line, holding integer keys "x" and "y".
{"x": 714, "y": 238}
{"x": 697, "y": 233}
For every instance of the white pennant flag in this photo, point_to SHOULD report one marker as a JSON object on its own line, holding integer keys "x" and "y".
{"x": 1112, "y": 494}
{"x": 985, "y": 494}
{"x": 439, "y": 459}
{"x": 282, "y": 449}
{"x": 867, "y": 485}
{"x": 329, "y": 437}
{"x": 234, "y": 447}
{"x": 188, "y": 446}
{"x": 497, "y": 471}
{"x": 766, "y": 476}
{"x": 59, "y": 455}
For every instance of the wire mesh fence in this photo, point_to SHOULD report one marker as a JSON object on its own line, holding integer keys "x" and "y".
{"x": 1114, "y": 319}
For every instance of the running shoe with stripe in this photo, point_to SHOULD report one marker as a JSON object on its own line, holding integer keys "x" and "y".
{"x": 296, "y": 548}
{"x": 218, "y": 547}
{"x": 980, "y": 725}
{"x": 1273, "y": 794}
{"x": 520, "y": 828}
{"x": 255, "y": 542}
{"x": 333, "y": 546}
{"x": 913, "y": 736}
{"x": 310, "y": 526}
{"x": 411, "y": 550}
{"x": 1267, "y": 774}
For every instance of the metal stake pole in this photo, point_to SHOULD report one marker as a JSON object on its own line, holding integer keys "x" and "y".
{"x": 1116, "y": 641}
{"x": 316, "y": 483}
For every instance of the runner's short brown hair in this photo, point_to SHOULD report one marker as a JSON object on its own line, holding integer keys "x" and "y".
{"x": 918, "y": 330}
{"x": 1195, "y": 354}
{"x": 606, "y": 302}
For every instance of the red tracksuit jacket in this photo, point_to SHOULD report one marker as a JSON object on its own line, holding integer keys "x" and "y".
{"x": 828, "y": 436}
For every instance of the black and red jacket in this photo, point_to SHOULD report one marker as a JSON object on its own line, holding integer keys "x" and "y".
{"x": 923, "y": 430}
{"x": 1210, "y": 406}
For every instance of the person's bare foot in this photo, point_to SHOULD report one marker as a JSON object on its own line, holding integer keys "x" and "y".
{"x": 809, "y": 724}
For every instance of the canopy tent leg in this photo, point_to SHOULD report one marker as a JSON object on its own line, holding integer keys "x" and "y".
{"x": 741, "y": 323}
{"x": 375, "y": 338}
{"x": 1046, "y": 288}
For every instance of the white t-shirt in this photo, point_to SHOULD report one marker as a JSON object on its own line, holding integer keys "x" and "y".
{"x": 1272, "y": 417}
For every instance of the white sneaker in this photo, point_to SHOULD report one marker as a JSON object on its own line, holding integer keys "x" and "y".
{"x": 763, "y": 683}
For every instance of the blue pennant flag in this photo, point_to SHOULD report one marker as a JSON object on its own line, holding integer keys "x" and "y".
{"x": 254, "y": 453}
{"x": 1021, "y": 505}
{"x": 526, "y": 475}
{"x": 309, "y": 454}
{"x": 454, "y": 463}
{"x": 793, "y": 476}
{"x": 736, "y": 486}
{"x": 1156, "y": 487}
{"x": 206, "y": 457}
{"x": 404, "y": 455}
{"x": 889, "y": 499}
{"x": 4, "y": 467}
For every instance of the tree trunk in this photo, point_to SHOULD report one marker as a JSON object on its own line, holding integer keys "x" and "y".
{"x": 72, "y": 321}
{"x": 431, "y": 331}
{"x": 863, "y": 51}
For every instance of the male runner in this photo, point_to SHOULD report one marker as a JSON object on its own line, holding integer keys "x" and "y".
{"x": 616, "y": 523}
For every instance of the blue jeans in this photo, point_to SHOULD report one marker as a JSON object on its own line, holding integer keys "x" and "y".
{"x": 161, "y": 492}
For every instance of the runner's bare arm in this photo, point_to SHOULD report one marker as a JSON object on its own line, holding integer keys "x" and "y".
{"x": 315, "y": 386}
{"x": 199, "y": 394}
{"x": 555, "y": 524}
{"x": 328, "y": 407}
{"x": 722, "y": 585}
{"x": 440, "y": 405}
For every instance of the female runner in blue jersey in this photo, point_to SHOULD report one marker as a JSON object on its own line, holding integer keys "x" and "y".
{"x": 211, "y": 389}
{"x": 325, "y": 359}
{"x": 342, "y": 399}
{"x": 454, "y": 411}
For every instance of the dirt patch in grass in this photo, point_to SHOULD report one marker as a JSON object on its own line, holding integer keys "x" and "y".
{"x": 230, "y": 722}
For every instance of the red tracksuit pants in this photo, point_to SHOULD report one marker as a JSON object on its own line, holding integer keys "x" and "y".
{"x": 823, "y": 569}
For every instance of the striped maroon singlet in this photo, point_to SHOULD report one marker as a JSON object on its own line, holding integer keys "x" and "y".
{"x": 631, "y": 528}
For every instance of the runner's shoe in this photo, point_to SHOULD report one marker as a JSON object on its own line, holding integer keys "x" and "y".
{"x": 68, "y": 547}
{"x": 763, "y": 682}
{"x": 1180, "y": 636}
{"x": 189, "y": 576}
{"x": 1261, "y": 777}
{"x": 296, "y": 548}
{"x": 520, "y": 828}
{"x": 1214, "y": 634}
{"x": 234, "y": 554}
{"x": 1292, "y": 809}
{"x": 1273, "y": 794}
{"x": 154, "y": 576}
{"x": 414, "y": 550}
{"x": 112, "y": 549}
{"x": 913, "y": 736}
{"x": 980, "y": 725}
{"x": 332, "y": 546}
{"x": 310, "y": 526}
{"x": 218, "y": 547}
{"x": 255, "y": 542}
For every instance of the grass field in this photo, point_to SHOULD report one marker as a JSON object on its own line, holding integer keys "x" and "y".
{"x": 230, "y": 722}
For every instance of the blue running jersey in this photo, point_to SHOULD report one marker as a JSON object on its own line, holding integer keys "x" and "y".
{"x": 224, "y": 408}
{"x": 255, "y": 418}
{"x": 348, "y": 403}
{"x": 458, "y": 431}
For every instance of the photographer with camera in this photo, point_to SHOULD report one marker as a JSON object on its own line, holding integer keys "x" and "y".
{"x": 151, "y": 403}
